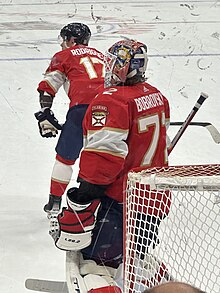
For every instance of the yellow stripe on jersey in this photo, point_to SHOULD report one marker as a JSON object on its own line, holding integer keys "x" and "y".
{"x": 105, "y": 152}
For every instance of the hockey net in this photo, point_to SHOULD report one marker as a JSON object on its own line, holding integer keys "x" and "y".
{"x": 172, "y": 227}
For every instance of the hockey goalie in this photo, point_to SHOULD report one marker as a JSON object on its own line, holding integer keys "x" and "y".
{"x": 124, "y": 127}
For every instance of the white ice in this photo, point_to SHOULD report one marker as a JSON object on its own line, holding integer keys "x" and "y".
{"x": 183, "y": 39}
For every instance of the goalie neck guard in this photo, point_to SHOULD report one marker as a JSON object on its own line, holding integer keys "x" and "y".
{"x": 79, "y": 31}
{"x": 125, "y": 63}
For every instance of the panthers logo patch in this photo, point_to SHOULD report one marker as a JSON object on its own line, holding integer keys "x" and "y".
{"x": 99, "y": 115}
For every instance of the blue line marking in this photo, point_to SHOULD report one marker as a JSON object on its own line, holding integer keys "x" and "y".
{"x": 151, "y": 56}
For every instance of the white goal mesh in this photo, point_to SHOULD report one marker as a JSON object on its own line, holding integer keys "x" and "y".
{"x": 172, "y": 227}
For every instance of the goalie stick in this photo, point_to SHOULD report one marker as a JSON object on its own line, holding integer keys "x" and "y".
{"x": 46, "y": 286}
{"x": 207, "y": 125}
{"x": 189, "y": 118}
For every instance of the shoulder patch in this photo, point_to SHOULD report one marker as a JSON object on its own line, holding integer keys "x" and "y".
{"x": 99, "y": 115}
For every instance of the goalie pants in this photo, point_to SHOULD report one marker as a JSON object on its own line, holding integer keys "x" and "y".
{"x": 106, "y": 247}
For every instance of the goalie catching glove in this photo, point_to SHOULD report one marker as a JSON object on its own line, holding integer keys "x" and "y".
{"x": 47, "y": 123}
{"x": 76, "y": 222}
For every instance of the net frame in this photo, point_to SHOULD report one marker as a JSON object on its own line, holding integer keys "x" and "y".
{"x": 192, "y": 179}
{"x": 198, "y": 177}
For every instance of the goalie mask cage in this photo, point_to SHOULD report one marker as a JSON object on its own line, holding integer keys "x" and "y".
{"x": 172, "y": 227}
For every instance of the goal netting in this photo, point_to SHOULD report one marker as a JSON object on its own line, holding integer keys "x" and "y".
{"x": 172, "y": 227}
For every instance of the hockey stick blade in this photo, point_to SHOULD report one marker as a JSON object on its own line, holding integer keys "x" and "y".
{"x": 46, "y": 286}
{"x": 215, "y": 134}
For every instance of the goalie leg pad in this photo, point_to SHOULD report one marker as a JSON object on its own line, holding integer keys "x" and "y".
{"x": 107, "y": 289}
{"x": 90, "y": 266}
{"x": 150, "y": 272}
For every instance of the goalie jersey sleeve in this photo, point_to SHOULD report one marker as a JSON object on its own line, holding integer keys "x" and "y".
{"x": 124, "y": 128}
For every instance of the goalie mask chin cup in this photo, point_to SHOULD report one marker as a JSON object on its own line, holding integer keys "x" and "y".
{"x": 125, "y": 60}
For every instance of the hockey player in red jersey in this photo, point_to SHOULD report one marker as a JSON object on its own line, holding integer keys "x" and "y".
{"x": 124, "y": 128}
{"x": 79, "y": 69}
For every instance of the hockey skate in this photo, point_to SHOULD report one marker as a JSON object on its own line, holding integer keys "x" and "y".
{"x": 53, "y": 206}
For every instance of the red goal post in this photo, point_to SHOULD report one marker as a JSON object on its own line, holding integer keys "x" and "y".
{"x": 172, "y": 227}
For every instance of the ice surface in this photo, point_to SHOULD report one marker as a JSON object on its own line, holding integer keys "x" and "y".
{"x": 183, "y": 40}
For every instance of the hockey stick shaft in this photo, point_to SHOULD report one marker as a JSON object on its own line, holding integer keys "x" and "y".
{"x": 179, "y": 123}
{"x": 189, "y": 118}
{"x": 215, "y": 134}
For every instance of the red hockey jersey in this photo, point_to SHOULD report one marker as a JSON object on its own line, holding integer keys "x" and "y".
{"x": 80, "y": 69}
{"x": 124, "y": 127}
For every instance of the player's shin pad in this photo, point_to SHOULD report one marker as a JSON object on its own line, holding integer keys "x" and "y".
{"x": 70, "y": 241}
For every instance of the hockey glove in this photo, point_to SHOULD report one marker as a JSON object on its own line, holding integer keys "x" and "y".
{"x": 76, "y": 224}
{"x": 47, "y": 123}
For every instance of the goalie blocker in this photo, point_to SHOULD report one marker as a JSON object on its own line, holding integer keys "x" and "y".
{"x": 76, "y": 222}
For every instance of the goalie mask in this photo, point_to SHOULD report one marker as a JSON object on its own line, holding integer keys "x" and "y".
{"x": 125, "y": 63}
{"x": 79, "y": 31}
